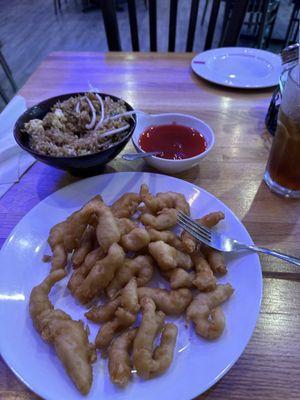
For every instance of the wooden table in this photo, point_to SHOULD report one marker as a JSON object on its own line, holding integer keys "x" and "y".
{"x": 233, "y": 171}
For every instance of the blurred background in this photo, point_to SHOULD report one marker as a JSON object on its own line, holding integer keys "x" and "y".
{"x": 30, "y": 29}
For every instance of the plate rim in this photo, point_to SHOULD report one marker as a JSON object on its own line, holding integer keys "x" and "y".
{"x": 234, "y": 49}
{"x": 211, "y": 383}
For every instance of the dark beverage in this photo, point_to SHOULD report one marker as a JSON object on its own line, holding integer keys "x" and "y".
{"x": 283, "y": 169}
{"x": 284, "y": 160}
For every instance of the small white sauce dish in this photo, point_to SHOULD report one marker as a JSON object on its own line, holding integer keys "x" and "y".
{"x": 166, "y": 165}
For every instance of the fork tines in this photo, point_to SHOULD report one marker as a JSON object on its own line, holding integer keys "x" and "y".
{"x": 198, "y": 231}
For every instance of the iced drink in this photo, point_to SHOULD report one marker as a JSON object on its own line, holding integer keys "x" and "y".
{"x": 283, "y": 169}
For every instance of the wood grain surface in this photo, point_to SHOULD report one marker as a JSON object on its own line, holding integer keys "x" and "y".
{"x": 233, "y": 171}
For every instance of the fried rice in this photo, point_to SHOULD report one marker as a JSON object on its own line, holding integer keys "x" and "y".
{"x": 79, "y": 126}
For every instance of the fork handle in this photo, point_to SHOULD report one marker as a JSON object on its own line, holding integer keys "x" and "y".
{"x": 285, "y": 257}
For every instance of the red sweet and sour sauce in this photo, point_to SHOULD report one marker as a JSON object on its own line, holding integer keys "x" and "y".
{"x": 175, "y": 142}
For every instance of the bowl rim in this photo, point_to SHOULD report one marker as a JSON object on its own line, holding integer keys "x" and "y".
{"x": 83, "y": 156}
{"x": 183, "y": 160}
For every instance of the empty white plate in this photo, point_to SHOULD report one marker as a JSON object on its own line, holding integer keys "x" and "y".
{"x": 238, "y": 67}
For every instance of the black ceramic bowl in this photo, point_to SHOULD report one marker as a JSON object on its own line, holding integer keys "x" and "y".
{"x": 78, "y": 165}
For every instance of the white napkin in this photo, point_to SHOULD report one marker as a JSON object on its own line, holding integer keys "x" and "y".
{"x": 13, "y": 160}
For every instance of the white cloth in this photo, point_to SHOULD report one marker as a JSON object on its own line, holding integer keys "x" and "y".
{"x": 13, "y": 160}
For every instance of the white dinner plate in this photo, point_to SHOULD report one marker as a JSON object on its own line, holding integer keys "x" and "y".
{"x": 238, "y": 67}
{"x": 197, "y": 364}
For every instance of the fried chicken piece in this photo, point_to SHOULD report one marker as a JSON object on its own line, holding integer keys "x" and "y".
{"x": 124, "y": 317}
{"x": 101, "y": 274}
{"x": 179, "y": 278}
{"x": 166, "y": 236}
{"x": 190, "y": 244}
{"x": 211, "y": 219}
{"x": 148, "y": 363}
{"x": 164, "y": 353}
{"x": 215, "y": 259}
{"x": 103, "y": 313}
{"x": 126, "y": 206}
{"x": 122, "y": 320}
{"x": 143, "y": 209}
{"x": 64, "y": 236}
{"x": 206, "y": 314}
{"x": 173, "y": 302}
{"x": 69, "y": 337}
{"x": 204, "y": 278}
{"x": 59, "y": 257}
{"x": 39, "y": 302}
{"x": 135, "y": 240}
{"x": 80, "y": 273}
{"x": 119, "y": 364}
{"x": 167, "y": 257}
{"x": 164, "y": 200}
{"x": 129, "y": 297}
{"x": 151, "y": 324}
{"x": 128, "y": 300}
{"x": 125, "y": 225}
{"x": 166, "y": 219}
{"x": 141, "y": 267}
{"x": 86, "y": 245}
{"x": 145, "y": 194}
{"x": 107, "y": 230}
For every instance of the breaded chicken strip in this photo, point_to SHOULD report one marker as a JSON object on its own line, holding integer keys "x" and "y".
{"x": 119, "y": 363}
{"x": 124, "y": 316}
{"x": 69, "y": 337}
{"x": 86, "y": 244}
{"x": 80, "y": 273}
{"x": 64, "y": 236}
{"x": 167, "y": 257}
{"x": 107, "y": 229}
{"x": 140, "y": 267}
{"x": 171, "y": 302}
{"x": 135, "y": 240}
{"x": 206, "y": 313}
{"x": 166, "y": 236}
{"x": 165, "y": 219}
{"x": 189, "y": 242}
{"x": 101, "y": 274}
{"x": 147, "y": 362}
{"x": 126, "y": 206}
{"x": 164, "y": 200}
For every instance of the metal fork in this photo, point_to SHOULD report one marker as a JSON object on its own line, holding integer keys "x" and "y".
{"x": 221, "y": 242}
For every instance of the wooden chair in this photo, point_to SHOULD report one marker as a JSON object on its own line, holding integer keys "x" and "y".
{"x": 7, "y": 71}
{"x": 112, "y": 29}
{"x": 292, "y": 32}
{"x": 57, "y": 6}
{"x": 3, "y": 95}
{"x": 259, "y": 19}
{"x": 9, "y": 76}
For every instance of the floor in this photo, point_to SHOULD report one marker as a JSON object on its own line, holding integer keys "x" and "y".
{"x": 29, "y": 30}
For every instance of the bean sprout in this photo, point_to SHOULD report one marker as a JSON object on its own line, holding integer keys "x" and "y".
{"x": 93, "y": 120}
{"x": 108, "y": 142}
{"x": 77, "y": 108}
{"x": 114, "y": 131}
{"x": 126, "y": 114}
{"x": 102, "y": 111}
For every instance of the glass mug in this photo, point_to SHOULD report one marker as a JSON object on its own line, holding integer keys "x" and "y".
{"x": 282, "y": 173}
